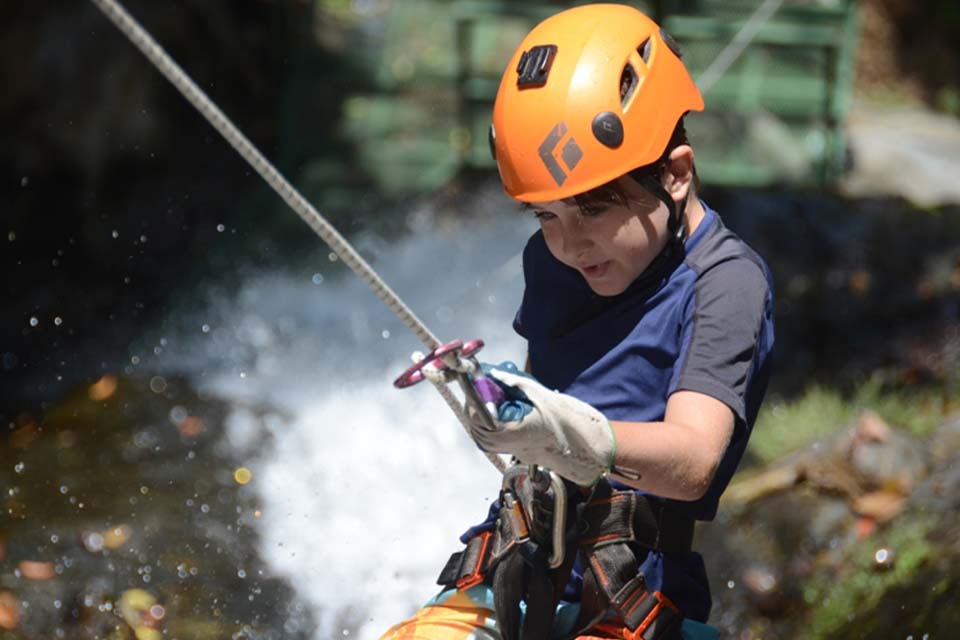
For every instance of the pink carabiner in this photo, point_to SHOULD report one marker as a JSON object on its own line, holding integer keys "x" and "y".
{"x": 414, "y": 373}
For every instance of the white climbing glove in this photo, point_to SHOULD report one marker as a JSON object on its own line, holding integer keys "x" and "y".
{"x": 561, "y": 433}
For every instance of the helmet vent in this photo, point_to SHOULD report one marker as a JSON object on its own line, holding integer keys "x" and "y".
{"x": 674, "y": 46}
{"x": 534, "y": 66}
{"x": 644, "y": 51}
{"x": 628, "y": 83}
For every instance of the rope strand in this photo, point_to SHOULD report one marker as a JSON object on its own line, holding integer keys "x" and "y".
{"x": 188, "y": 88}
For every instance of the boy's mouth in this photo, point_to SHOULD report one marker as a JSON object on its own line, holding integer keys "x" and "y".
{"x": 596, "y": 270}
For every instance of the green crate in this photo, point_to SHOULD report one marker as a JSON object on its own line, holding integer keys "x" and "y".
{"x": 775, "y": 115}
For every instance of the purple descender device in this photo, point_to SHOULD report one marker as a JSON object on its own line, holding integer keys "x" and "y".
{"x": 456, "y": 360}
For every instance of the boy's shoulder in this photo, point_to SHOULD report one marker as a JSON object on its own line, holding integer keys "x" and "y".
{"x": 716, "y": 252}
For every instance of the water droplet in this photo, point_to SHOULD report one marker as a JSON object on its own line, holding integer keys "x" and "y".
{"x": 220, "y": 228}
{"x": 24, "y": 181}
{"x": 385, "y": 333}
{"x": 178, "y": 414}
{"x": 205, "y": 508}
{"x": 731, "y": 584}
{"x": 158, "y": 384}
{"x": 64, "y": 489}
{"x": 332, "y": 257}
{"x": 11, "y": 236}
{"x": 242, "y": 475}
{"x": 317, "y": 278}
{"x": 243, "y": 374}
{"x": 93, "y": 542}
{"x": 19, "y": 467}
{"x": 134, "y": 359}
{"x": 205, "y": 328}
{"x": 241, "y": 573}
{"x": 34, "y": 321}
{"x": 115, "y": 233}
{"x": 58, "y": 321}
{"x": 144, "y": 490}
{"x": 883, "y": 559}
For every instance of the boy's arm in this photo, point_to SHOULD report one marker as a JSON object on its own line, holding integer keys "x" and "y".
{"x": 676, "y": 458}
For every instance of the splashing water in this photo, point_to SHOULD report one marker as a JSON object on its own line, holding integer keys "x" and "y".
{"x": 363, "y": 489}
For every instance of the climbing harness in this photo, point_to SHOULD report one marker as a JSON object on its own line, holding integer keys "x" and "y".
{"x": 605, "y": 526}
{"x": 523, "y": 557}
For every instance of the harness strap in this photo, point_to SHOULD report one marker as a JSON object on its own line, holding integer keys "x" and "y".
{"x": 613, "y": 523}
{"x": 623, "y": 516}
{"x": 485, "y": 550}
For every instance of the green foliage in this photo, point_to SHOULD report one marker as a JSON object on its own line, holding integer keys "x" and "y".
{"x": 786, "y": 425}
{"x": 837, "y": 600}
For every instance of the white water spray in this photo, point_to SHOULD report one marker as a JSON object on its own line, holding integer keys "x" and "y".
{"x": 363, "y": 489}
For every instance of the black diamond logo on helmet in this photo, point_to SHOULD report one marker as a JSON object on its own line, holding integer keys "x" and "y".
{"x": 571, "y": 153}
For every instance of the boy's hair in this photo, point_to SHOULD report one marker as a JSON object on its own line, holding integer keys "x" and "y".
{"x": 612, "y": 193}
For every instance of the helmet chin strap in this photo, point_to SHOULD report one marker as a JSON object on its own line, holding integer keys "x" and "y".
{"x": 676, "y": 223}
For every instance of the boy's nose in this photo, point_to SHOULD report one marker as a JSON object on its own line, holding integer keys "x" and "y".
{"x": 575, "y": 239}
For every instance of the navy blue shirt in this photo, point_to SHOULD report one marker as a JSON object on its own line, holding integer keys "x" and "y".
{"x": 701, "y": 320}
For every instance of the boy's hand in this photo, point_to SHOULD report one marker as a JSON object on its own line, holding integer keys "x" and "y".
{"x": 560, "y": 432}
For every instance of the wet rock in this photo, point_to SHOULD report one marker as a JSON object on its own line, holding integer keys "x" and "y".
{"x": 853, "y": 537}
{"x": 945, "y": 442}
{"x": 765, "y": 586}
{"x": 885, "y": 457}
{"x": 879, "y": 506}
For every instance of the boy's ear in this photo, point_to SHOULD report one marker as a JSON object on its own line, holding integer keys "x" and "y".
{"x": 678, "y": 174}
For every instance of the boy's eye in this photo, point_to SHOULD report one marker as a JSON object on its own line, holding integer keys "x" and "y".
{"x": 543, "y": 216}
{"x": 590, "y": 211}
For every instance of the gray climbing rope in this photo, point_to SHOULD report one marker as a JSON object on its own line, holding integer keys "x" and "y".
{"x": 166, "y": 65}
{"x": 188, "y": 88}
{"x": 737, "y": 45}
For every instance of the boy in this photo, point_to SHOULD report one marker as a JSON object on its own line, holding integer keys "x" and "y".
{"x": 649, "y": 327}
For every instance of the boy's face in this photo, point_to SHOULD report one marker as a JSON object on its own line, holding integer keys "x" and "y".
{"x": 612, "y": 246}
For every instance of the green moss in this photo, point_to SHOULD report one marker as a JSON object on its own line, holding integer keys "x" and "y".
{"x": 786, "y": 425}
{"x": 852, "y": 597}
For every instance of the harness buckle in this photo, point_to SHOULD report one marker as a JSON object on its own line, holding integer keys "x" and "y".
{"x": 660, "y": 622}
{"x": 474, "y": 561}
{"x": 659, "y": 616}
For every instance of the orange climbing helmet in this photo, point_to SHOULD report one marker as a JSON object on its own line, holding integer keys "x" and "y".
{"x": 590, "y": 94}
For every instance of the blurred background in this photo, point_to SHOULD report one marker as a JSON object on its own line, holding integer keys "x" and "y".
{"x": 200, "y": 439}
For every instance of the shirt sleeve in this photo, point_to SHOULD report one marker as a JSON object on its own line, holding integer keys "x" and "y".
{"x": 720, "y": 332}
